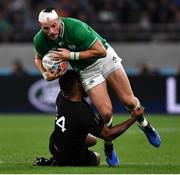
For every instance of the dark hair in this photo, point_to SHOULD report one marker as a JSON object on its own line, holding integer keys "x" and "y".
{"x": 68, "y": 81}
{"x": 49, "y": 9}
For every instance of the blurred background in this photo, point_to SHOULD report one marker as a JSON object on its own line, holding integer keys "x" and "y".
{"x": 144, "y": 33}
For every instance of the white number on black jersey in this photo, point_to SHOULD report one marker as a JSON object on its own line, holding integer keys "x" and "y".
{"x": 61, "y": 123}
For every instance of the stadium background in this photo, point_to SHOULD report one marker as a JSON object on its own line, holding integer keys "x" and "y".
{"x": 145, "y": 33}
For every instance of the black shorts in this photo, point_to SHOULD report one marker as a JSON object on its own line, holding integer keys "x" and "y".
{"x": 87, "y": 158}
{"x": 90, "y": 159}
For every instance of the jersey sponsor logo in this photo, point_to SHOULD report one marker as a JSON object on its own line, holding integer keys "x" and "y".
{"x": 72, "y": 46}
{"x": 54, "y": 48}
{"x": 61, "y": 43}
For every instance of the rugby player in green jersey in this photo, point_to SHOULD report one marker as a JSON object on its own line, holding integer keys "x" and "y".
{"x": 97, "y": 63}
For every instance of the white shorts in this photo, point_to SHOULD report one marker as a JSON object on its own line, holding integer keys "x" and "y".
{"x": 96, "y": 73}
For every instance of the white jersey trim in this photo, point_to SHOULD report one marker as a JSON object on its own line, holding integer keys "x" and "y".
{"x": 93, "y": 42}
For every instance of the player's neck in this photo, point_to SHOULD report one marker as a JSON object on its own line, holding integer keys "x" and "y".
{"x": 73, "y": 97}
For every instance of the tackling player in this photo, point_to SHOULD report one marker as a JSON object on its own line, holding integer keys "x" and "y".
{"x": 97, "y": 63}
{"x": 74, "y": 121}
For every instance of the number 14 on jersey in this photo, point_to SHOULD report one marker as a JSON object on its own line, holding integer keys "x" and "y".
{"x": 61, "y": 123}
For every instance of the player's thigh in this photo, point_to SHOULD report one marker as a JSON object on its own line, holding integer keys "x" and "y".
{"x": 119, "y": 82}
{"x": 115, "y": 75}
{"x": 100, "y": 98}
{"x": 52, "y": 148}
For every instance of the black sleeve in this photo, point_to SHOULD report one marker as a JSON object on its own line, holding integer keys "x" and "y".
{"x": 58, "y": 100}
{"x": 92, "y": 123}
{"x": 96, "y": 125}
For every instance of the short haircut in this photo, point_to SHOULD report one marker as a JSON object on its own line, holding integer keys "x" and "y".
{"x": 68, "y": 81}
{"x": 48, "y": 10}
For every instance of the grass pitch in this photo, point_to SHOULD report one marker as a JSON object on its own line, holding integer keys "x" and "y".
{"x": 23, "y": 137}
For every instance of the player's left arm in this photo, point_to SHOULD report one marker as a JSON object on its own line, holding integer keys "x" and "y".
{"x": 97, "y": 50}
{"x": 87, "y": 41}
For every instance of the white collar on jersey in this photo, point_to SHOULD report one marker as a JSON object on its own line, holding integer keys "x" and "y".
{"x": 62, "y": 30}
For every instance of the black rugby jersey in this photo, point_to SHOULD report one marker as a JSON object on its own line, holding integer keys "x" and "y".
{"x": 74, "y": 120}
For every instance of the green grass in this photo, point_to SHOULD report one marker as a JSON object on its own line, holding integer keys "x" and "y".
{"x": 23, "y": 137}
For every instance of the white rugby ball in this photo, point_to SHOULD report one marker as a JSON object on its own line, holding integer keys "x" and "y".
{"x": 52, "y": 65}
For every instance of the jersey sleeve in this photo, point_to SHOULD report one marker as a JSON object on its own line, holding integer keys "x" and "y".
{"x": 92, "y": 123}
{"x": 96, "y": 125}
{"x": 84, "y": 36}
{"x": 39, "y": 44}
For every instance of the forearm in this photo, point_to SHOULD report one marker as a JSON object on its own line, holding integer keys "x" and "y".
{"x": 47, "y": 74}
{"x": 39, "y": 66}
{"x": 97, "y": 50}
{"x": 112, "y": 133}
{"x": 91, "y": 54}
{"x": 119, "y": 129}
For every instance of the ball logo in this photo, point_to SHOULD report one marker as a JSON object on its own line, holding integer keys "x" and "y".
{"x": 64, "y": 65}
{"x": 48, "y": 62}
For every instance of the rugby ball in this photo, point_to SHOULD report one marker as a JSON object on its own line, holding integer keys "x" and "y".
{"x": 52, "y": 65}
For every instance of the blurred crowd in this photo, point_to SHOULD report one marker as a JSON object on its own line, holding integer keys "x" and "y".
{"x": 143, "y": 69}
{"x": 18, "y": 18}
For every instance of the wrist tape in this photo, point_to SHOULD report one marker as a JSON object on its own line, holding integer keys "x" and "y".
{"x": 74, "y": 56}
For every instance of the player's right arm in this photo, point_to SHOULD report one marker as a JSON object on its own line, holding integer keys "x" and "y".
{"x": 47, "y": 74}
{"x": 38, "y": 63}
{"x": 40, "y": 50}
{"x": 114, "y": 132}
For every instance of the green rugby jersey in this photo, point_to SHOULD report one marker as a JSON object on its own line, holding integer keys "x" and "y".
{"x": 75, "y": 36}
